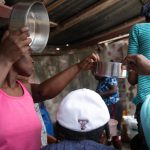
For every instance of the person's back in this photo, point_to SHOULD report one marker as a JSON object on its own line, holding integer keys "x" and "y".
{"x": 78, "y": 145}
{"x": 81, "y": 118}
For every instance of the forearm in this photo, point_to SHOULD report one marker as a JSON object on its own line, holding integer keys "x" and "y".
{"x": 4, "y": 68}
{"x": 53, "y": 86}
{"x": 107, "y": 93}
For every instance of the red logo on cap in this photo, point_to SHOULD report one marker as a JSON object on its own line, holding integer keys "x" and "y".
{"x": 83, "y": 123}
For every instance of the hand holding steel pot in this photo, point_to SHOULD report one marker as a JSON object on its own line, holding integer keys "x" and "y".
{"x": 33, "y": 15}
{"x": 137, "y": 63}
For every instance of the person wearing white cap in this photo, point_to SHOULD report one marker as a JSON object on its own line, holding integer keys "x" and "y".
{"x": 81, "y": 117}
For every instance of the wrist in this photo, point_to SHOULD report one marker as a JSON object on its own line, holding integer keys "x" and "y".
{"x": 79, "y": 66}
{"x": 5, "y": 61}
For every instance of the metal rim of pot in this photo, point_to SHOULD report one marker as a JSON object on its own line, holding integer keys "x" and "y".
{"x": 27, "y": 14}
{"x": 110, "y": 69}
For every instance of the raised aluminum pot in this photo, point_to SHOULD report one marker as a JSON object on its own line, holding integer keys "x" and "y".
{"x": 110, "y": 69}
{"x": 33, "y": 15}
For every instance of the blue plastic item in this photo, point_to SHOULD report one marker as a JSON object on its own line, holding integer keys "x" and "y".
{"x": 47, "y": 120}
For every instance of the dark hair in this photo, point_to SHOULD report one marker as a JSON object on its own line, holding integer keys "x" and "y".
{"x": 145, "y": 11}
{"x": 64, "y": 133}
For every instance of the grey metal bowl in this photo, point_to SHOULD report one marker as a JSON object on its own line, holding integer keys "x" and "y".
{"x": 110, "y": 69}
{"x": 33, "y": 15}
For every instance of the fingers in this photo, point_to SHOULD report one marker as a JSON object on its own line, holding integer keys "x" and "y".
{"x": 89, "y": 61}
{"x": 21, "y": 37}
{"x": 125, "y": 61}
{"x": 95, "y": 57}
{"x": 21, "y": 30}
{"x": 24, "y": 29}
{"x": 131, "y": 62}
{"x": 26, "y": 42}
{"x": 6, "y": 34}
{"x": 25, "y": 49}
{"x": 21, "y": 41}
{"x": 24, "y": 33}
{"x": 16, "y": 43}
{"x": 129, "y": 59}
{"x": 24, "y": 36}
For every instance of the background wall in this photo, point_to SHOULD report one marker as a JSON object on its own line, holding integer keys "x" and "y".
{"x": 47, "y": 66}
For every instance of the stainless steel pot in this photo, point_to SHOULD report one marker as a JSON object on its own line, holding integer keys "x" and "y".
{"x": 33, "y": 15}
{"x": 110, "y": 69}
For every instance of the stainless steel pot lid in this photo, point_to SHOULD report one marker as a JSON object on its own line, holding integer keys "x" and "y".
{"x": 33, "y": 15}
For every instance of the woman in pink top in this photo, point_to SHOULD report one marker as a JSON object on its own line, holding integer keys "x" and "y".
{"x": 20, "y": 127}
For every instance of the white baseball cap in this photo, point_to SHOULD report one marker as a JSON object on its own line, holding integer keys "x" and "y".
{"x": 82, "y": 110}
